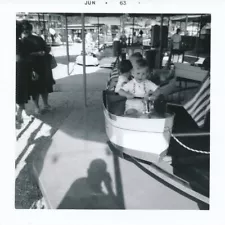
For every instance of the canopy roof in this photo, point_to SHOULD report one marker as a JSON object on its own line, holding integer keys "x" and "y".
{"x": 193, "y": 18}
{"x": 120, "y": 14}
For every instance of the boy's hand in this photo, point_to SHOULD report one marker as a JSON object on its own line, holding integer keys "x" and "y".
{"x": 146, "y": 97}
{"x": 129, "y": 96}
{"x": 152, "y": 98}
{"x": 150, "y": 93}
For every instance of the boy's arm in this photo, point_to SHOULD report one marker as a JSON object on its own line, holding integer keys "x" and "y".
{"x": 125, "y": 91}
{"x": 120, "y": 83}
{"x": 125, "y": 94}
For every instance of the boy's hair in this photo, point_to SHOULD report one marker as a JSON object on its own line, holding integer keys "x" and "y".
{"x": 178, "y": 30}
{"x": 137, "y": 55}
{"x": 142, "y": 63}
{"x": 125, "y": 66}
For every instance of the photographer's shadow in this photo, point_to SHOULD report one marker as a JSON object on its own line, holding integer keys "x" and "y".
{"x": 87, "y": 192}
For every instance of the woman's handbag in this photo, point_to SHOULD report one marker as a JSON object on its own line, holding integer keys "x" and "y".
{"x": 53, "y": 62}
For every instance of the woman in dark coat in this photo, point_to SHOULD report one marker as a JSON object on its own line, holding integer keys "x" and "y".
{"x": 38, "y": 51}
{"x": 23, "y": 75}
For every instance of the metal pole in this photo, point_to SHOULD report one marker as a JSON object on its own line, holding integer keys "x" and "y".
{"x": 133, "y": 33}
{"x": 186, "y": 23}
{"x": 161, "y": 42}
{"x": 98, "y": 32}
{"x": 191, "y": 134}
{"x": 39, "y": 23}
{"x": 198, "y": 38}
{"x": 67, "y": 47}
{"x": 45, "y": 34}
{"x": 84, "y": 61}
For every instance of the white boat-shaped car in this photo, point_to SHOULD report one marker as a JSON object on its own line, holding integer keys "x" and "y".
{"x": 140, "y": 137}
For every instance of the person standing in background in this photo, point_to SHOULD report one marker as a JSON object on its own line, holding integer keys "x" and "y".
{"x": 176, "y": 40}
{"x": 175, "y": 45}
{"x": 38, "y": 52}
{"x": 23, "y": 76}
{"x": 123, "y": 42}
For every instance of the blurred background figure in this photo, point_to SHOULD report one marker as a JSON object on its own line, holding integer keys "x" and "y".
{"x": 38, "y": 52}
{"x": 23, "y": 76}
{"x": 175, "y": 45}
{"x": 176, "y": 40}
{"x": 53, "y": 34}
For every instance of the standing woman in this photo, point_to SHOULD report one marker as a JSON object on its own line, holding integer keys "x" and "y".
{"x": 23, "y": 75}
{"x": 43, "y": 81}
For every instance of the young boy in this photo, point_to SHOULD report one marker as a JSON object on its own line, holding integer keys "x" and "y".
{"x": 125, "y": 74}
{"x": 138, "y": 87}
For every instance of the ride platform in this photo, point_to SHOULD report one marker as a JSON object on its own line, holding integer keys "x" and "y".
{"x": 80, "y": 170}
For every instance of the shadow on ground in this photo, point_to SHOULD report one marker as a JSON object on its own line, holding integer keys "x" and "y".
{"x": 26, "y": 187}
{"x": 87, "y": 192}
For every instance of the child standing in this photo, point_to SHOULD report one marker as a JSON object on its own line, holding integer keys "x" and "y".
{"x": 138, "y": 87}
{"x": 125, "y": 74}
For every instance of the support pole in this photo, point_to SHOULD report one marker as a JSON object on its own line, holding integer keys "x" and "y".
{"x": 198, "y": 38}
{"x": 161, "y": 42}
{"x": 98, "y": 32}
{"x": 168, "y": 24}
{"x": 133, "y": 33}
{"x": 84, "y": 61}
{"x": 45, "y": 34}
{"x": 186, "y": 24}
{"x": 67, "y": 47}
{"x": 39, "y": 22}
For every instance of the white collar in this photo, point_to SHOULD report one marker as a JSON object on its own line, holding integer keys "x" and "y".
{"x": 139, "y": 83}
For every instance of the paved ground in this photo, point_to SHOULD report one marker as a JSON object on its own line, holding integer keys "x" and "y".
{"x": 36, "y": 134}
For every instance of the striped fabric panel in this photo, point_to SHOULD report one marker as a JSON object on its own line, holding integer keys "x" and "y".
{"x": 114, "y": 74}
{"x": 199, "y": 105}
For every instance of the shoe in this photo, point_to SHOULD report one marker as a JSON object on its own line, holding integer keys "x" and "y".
{"x": 37, "y": 112}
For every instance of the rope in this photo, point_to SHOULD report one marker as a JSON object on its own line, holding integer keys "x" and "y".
{"x": 72, "y": 68}
{"x": 188, "y": 148}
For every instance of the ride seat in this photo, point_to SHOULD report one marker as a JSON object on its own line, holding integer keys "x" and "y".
{"x": 114, "y": 103}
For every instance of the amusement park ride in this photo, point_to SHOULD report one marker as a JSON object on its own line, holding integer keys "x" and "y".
{"x": 165, "y": 128}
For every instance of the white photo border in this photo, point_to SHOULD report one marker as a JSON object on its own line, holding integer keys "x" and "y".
{"x": 63, "y": 217}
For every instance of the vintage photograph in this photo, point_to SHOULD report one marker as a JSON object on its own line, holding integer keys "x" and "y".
{"x": 112, "y": 111}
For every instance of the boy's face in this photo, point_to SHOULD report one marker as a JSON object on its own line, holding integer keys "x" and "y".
{"x": 140, "y": 74}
